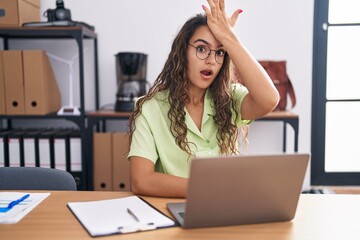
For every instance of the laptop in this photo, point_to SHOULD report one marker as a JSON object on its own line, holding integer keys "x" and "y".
{"x": 237, "y": 190}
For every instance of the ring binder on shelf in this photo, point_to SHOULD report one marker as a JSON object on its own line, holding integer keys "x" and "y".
{"x": 2, "y": 87}
{"x": 75, "y": 151}
{"x": 74, "y": 163}
{"x": 16, "y": 149}
{"x": 61, "y": 150}
{"x": 46, "y": 149}
{"x": 31, "y": 151}
{"x": 4, "y": 148}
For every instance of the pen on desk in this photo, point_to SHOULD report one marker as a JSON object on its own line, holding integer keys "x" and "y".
{"x": 16, "y": 202}
{"x": 133, "y": 215}
{"x": 136, "y": 227}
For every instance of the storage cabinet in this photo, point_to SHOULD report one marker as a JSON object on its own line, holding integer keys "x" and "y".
{"x": 78, "y": 34}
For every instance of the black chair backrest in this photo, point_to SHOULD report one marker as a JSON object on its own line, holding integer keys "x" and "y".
{"x": 35, "y": 178}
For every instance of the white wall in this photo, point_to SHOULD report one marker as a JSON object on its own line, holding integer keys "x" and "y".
{"x": 271, "y": 29}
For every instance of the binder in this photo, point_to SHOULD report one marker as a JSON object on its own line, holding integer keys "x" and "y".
{"x": 2, "y": 151}
{"x": 61, "y": 149}
{"x": 75, "y": 151}
{"x": 14, "y": 82}
{"x": 46, "y": 149}
{"x": 2, "y": 86}
{"x": 4, "y": 148}
{"x": 120, "y": 163}
{"x": 102, "y": 162}
{"x": 42, "y": 95}
{"x": 16, "y": 149}
{"x": 75, "y": 160}
{"x": 31, "y": 154}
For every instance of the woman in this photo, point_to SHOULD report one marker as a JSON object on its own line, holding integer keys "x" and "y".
{"x": 194, "y": 109}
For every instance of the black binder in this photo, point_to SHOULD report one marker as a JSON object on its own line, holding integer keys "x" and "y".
{"x": 4, "y": 153}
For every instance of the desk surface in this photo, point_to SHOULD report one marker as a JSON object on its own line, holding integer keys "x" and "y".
{"x": 319, "y": 216}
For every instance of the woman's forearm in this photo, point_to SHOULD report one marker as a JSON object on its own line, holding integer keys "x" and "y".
{"x": 263, "y": 96}
{"x": 145, "y": 181}
{"x": 160, "y": 185}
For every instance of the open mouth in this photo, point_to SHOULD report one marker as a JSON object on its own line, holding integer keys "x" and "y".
{"x": 207, "y": 73}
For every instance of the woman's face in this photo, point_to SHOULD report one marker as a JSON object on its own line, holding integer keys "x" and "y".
{"x": 202, "y": 73}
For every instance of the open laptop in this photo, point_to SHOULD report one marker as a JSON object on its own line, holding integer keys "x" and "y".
{"x": 242, "y": 190}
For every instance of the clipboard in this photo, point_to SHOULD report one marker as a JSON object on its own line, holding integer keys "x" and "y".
{"x": 119, "y": 216}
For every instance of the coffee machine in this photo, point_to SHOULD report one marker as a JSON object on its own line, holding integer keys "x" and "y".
{"x": 131, "y": 79}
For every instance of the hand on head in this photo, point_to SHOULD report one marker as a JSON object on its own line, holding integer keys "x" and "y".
{"x": 218, "y": 22}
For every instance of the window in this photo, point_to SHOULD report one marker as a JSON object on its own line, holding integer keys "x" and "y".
{"x": 335, "y": 141}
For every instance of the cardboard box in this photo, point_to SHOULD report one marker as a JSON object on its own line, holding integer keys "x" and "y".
{"x": 14, "y": 82}
{"x": 17, "y": 12}
{"x": 42, "y": 94}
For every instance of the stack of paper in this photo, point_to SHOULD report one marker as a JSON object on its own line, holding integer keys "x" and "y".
{"x": 123, "y": 215}
{"x": 15, "y": 205}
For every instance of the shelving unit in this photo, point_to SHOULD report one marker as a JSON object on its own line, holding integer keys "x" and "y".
{"x": 79, "y": 34}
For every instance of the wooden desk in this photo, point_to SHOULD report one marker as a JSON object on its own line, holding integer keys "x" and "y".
{"x": 319, "y": 216}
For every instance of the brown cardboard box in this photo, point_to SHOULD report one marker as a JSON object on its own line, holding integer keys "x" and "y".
{"x": 17, "y": 12}
{"x": 120, "y": 163}
{"x": 102, "y": 162}
{"x": 42, "y": 95}
{"x": 14, "y": 82}
{"x": 2, "y": 87}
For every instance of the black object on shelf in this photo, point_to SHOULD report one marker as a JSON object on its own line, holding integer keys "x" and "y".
{"x": 58, "y": 17}
{"x": 63, "y": 23}
{"x": 131, "y": 79}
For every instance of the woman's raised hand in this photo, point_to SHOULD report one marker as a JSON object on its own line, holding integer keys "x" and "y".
{"x": 218, "y": 22}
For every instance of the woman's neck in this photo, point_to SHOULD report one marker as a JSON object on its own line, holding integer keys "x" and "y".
{"x": 196, "y": 97}
{"x": 195, "y": 107}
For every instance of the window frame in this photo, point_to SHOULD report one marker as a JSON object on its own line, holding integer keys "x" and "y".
{"x": 318, "y": 174}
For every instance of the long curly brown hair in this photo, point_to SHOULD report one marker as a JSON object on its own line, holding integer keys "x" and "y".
{"x": 174, "y": 77}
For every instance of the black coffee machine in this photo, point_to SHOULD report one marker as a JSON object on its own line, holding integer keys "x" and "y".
{"x": 131, "y": 79}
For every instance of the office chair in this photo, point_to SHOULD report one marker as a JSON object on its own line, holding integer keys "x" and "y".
{"x": 35, "y": 178}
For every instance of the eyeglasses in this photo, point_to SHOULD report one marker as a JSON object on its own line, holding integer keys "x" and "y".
{"x": 203, "y": 52}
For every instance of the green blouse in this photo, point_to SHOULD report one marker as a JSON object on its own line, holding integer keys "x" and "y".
{"x": 152, "y": 138}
